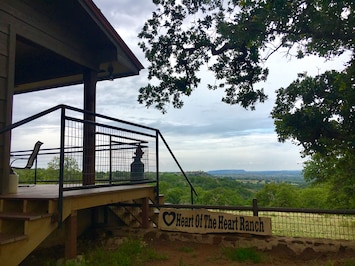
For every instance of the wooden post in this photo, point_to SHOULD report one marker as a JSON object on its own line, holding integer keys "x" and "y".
{"x": 255, "y": 207}
{"x": 145, "y": 213}
{"x": 7, "y": 80}
{"x": 90, "y": 79}
{"x": 71, "y": 229}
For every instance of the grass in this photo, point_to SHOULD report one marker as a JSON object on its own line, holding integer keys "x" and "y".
{"x": 242, "y": 255}
{"x": 181, "y": 262}
{"x": 186, "y": 249}
{"x": 347, "y": 262}
{"x": 136, "y": 252}
{"x": 312, "y": 225}
{"x": 131, "y": 252}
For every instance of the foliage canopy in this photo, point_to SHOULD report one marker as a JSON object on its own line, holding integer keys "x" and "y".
{"x": 234, "y": 39}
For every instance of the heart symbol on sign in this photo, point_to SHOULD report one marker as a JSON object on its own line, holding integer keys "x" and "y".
{"x": 169, "y": 218}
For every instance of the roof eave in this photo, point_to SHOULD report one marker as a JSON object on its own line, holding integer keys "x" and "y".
{"x": 105, "y": 25}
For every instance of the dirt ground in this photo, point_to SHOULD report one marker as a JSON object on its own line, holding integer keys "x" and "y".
{"x": 197, "y": 254}
{"x": 187, "y": 252}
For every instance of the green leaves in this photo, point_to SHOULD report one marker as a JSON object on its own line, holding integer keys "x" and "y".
{"x": 234, "y": 39}
{"x": 336, "y": 172}
{"x": 229, "y": 36}
{"x": 317, "y": 112}
{"x": 180, "y": 38}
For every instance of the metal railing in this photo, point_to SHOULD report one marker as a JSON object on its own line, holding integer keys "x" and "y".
{"x": 89, "y": 145}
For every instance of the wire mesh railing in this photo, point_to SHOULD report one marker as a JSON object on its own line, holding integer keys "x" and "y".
{"x": 115, "y": 148}
{"x": 115, "y": 143}
{"x": 90, "y": 149}
{"x": 315, "y": 224}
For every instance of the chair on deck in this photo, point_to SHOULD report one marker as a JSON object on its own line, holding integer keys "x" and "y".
{"x": 30, "y": 160}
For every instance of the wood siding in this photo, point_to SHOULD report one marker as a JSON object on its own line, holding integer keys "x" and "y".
{"x": 6, "y": 93}
{"x": 33, "y": 24}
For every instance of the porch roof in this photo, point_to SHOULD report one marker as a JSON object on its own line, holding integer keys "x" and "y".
{"x": 57, "y": 40}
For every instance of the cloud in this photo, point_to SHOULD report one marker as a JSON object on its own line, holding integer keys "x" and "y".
{"x": 206, "y": 133}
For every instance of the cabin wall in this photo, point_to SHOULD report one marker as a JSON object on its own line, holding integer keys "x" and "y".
{"x": 40, "y": 23}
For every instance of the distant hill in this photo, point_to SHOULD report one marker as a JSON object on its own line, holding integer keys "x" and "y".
{"x": 240, "y": 172}
{"x": 226, "y": 172}
{"x": 261, "y": 173}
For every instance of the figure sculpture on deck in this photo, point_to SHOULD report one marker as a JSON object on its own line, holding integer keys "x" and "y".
{"x": 137, "y": 167}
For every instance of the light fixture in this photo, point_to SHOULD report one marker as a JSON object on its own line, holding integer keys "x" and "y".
{"x": 110, "y": 71}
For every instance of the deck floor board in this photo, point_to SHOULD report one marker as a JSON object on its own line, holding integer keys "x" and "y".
{"x": 51, "y": 192}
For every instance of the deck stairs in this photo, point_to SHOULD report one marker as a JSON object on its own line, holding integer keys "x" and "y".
{"x": 130, "y": 212}
{"x": 26, "y": 221}
{"x": 24, "y": 224}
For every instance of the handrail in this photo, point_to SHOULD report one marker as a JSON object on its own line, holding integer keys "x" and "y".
{"x": 63, "y": 106}
{"x": 31, "y": 118}
{"x": 63, "y": 109}
{"x": 192, "y": 189}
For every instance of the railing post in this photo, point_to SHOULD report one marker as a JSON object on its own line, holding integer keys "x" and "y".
{"x": 61, "y": 167}
{"x": 36, "y": 171}
{"x": 255, "y": 207}
{"x": 157, "y": 165}
{"x": 192, "y": 196}
{"x": 110, "y": 177}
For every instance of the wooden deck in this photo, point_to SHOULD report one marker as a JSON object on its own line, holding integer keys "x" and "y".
{"x": 30, "y": 215}
{"x": 51, "y": 192}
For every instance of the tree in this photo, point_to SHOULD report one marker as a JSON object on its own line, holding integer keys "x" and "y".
{"x": 221, "y": 197}
{"x": 234, "y": 39}
{"x": 319, "y": 114}
{"x": 315, "y": 197}
{"x": 72, "y": 170}
{"x": 337, "y": 172}
{"x": 278, "y": 195}
{"x": 174, "y": 195}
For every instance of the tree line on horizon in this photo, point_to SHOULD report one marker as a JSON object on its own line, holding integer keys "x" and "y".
{"x": 228, "y": 191}
{"x": 270, "y": 191}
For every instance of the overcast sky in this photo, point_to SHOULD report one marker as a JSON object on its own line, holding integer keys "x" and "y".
{"x": 205, "y": 134}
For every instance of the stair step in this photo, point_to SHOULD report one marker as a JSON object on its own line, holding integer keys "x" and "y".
{"x": 23, "y": 216}
{"x": 10, "y": 238}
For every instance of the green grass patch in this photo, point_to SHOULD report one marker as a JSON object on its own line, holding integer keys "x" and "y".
{"x": 186, "y": 249}
{"x": 349, "y": 262}
{"x": 312, "y": 225}
{"x": 242, "y": 254}
{"x": 131, "y": 252}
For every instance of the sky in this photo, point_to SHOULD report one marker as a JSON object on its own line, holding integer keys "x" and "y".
{"x": 205, "y": 134}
